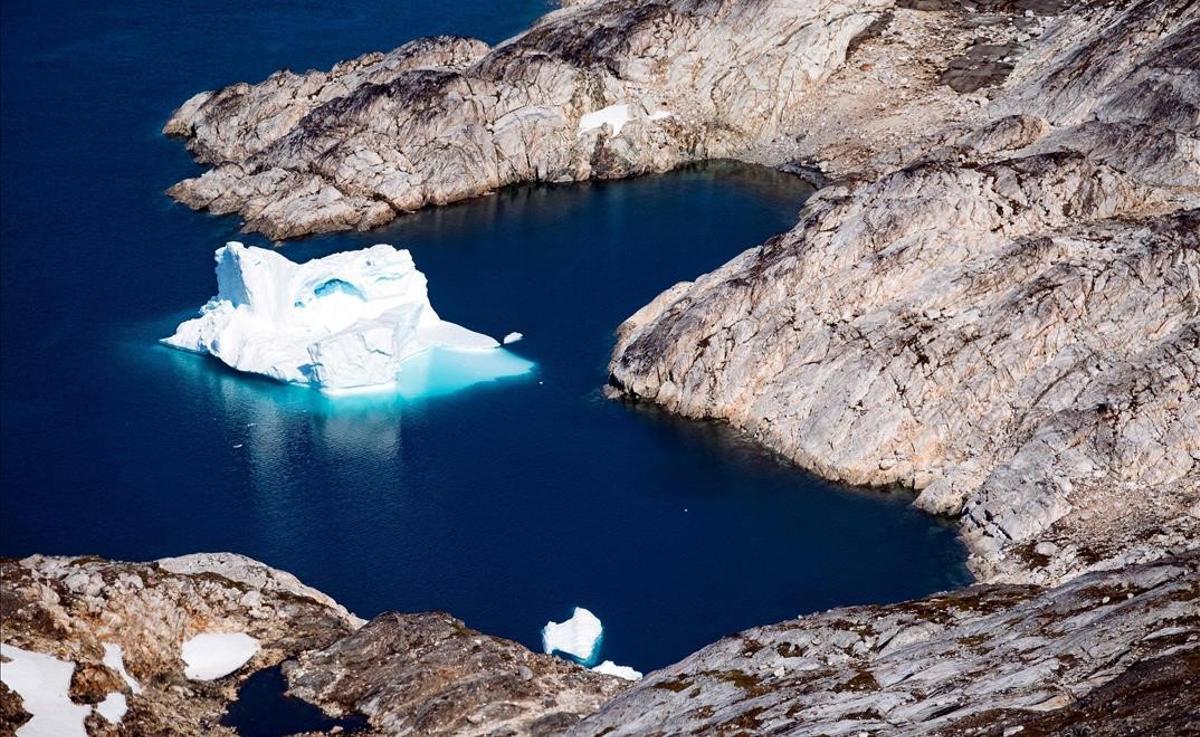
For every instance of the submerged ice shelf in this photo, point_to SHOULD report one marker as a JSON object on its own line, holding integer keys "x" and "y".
{"x": 349, "y": 322}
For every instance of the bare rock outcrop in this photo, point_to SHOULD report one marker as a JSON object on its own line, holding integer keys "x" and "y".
{"x": 69, "y": 608}
{"x": 1115, "y": 651}
{"x": 428, "y": 674}
{"x": 427, "y": 671}
{"x": 598, "y": 89}
{"x": 1008, "y": 321}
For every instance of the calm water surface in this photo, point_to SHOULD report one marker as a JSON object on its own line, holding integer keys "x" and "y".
{"x": 505, "y": 505}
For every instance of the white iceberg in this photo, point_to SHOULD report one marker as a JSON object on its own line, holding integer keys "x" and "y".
{"x": 341, "y": 323}
{"x": 42, "y": 683}
{"x": 512, "y": 337}
{"x": 578, "y": 637}
{"x": 620, "y": 671}
{"x": 213, "y": 655}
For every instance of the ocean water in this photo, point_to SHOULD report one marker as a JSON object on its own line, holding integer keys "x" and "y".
{"x": 506, "y": 503}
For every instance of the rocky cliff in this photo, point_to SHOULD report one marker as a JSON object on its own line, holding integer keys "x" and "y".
{"x": 1000, "y": 314}
{"x": 597, "y": 89}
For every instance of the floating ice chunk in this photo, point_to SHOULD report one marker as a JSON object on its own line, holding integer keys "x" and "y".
{"x": 615, "y": 115}
{"x": 620, "y": 671}
{"x": 213, "y": 655}
{"x": 578, "y": 637}
{"x": 113, "y": 707}
{"x": 512, "y": 337}
{"x": 42, "y": 683}
{"x": 344, "y": 322}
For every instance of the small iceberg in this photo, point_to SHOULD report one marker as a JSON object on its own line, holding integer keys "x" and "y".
{"x": 578, "y": 637}
{"x": 213, "y": 655}
{"x": 610, "y": 668}
{"x": 512, "y": 337}
{"x": 345, "y": 323}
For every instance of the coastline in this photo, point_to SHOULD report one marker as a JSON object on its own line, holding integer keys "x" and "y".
{"x": 1065, "y": 514}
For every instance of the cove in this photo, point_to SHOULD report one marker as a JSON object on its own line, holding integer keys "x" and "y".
{"x": 506, "y": 504}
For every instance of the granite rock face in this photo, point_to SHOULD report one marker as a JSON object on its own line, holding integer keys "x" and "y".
{"x": 420, "y": 674}
{"x": 1003, "y": 315}
{"x": 991, "y": 659}
{"x": 594, "y": 90}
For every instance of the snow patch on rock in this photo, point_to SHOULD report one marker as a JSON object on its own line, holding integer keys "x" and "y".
{"x": 113, "y": 707}
{"x": 42, "y": 682}
{"x": 620, "y": 671}
{"x": 214, "y": 655}
{"x": 345, "y": 322}
{"x": 114, "y": 658}
{"x": 614, "y": 115}
{"x": 578, "y": 637}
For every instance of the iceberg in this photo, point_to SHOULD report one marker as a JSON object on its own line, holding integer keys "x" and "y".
{"x": 610, "y": 668}
{"x": 343, "y": 323}
{"x": 212, "y": 655}
{"x": 578, "y": 637}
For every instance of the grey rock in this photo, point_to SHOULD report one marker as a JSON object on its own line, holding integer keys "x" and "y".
{"x": 988, "y": 658}
{"x": 440, "y": 120}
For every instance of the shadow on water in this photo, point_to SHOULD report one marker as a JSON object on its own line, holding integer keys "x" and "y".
{"x": 263, "y": 708}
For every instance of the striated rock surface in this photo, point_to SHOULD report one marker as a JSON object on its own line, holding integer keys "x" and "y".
{"x": 597, "y": 89}
{"x": 986, "y": 660}
{"x": 420, "y": 674}
{"x": 1003, "y": 316}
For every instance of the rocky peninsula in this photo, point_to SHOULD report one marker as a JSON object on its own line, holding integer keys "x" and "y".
{"x": 993, "y": 301}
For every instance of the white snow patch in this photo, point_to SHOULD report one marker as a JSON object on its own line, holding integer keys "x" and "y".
{"x": 113, "y": 707}
{"x": 615, "y": 115}
{"x": 42, "y": 683}
{"x": 661, "y": 114}
{"x": 620, "y": 671}
{"x": 343, "y": 322}
{"x": 114, "y": 658}
{"x": 512, "y": 337}
{"x": 578, "y": 636}
{"x": 214, "y": 655}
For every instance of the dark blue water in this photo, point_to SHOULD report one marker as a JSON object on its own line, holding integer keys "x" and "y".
{"x": 506, "y": 505}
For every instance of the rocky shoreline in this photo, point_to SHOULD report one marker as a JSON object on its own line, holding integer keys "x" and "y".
{"x": 993, "y": 301}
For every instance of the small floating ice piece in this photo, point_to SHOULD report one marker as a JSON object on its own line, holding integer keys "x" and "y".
{"x": 42, "y": 683}
{"x": 214, "y": 655}
{"x": 114, "y": 658}
{"x": 578, "y": 637}
{"x": 343, "y": 323}
{"x": 620, "y": 671}
{"x": 113, "y": 707}
{"x": 512, "y": 337}
{"x": 615, "y": 115}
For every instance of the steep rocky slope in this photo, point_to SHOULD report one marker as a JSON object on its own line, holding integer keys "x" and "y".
{"x": 1007, "y": 323}
{"x": 986, "y": 660}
